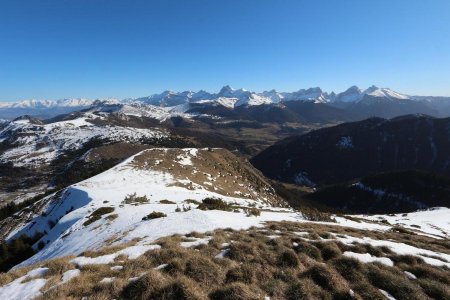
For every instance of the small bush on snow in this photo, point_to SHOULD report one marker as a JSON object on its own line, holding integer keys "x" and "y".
{"x": 214, "y": 204}
{"x": 154, "y": 215}
{"x": 97, "y": 214}
{"x": 134, "y": 198}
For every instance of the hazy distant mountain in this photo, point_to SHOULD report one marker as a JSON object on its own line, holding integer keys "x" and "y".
{"x": 46, "y": 108}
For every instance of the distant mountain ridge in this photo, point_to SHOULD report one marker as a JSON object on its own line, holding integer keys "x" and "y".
{"x": 373, "y": 101}
{"x": 245, "y": 97}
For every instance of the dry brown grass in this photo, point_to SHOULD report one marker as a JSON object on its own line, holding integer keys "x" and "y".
{"x": 393, "y": 281}
{"x": 305, "y": 289}
{"x": 235, "y": 291}
{"x": 226, "y": 169}
{"x": 283, "y": 266}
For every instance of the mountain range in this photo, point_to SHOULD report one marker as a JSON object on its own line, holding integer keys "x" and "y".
{"x": 373, "y": 101}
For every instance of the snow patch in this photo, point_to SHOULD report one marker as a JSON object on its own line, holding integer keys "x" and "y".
{"x": 367, "y": 258}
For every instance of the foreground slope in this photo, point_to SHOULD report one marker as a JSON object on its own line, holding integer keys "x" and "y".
{"x": 282, "y": 260}
{"x": 111, "y": 206}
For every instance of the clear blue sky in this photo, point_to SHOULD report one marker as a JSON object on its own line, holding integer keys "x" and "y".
{"x": 105, "y": 48}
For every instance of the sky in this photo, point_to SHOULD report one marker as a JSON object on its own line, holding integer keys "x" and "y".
{"x": 130, "y": 48}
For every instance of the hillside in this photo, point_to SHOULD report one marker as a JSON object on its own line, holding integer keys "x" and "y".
{"x": 353, "y": 150}
{"x": 39, "y": 155}
{"x": 111, "y": 207}
{"x": 390, "y": 192}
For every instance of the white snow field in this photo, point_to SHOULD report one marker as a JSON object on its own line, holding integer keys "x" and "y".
{"x": 71, "y": 208}
{"x": 25, "y": 287}
{"x": 434, "y": 222}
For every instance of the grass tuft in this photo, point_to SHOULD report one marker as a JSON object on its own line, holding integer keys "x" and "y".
{"x": 234, "y": 291}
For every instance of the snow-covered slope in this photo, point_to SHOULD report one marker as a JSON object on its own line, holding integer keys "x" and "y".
{"x": 31, "y": 144}
{"x": 178, "y": 176}
{"x": 384, "y": 93}
{"x": 434, "y": 222}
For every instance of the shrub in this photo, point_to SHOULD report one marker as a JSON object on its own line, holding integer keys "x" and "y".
{"x": 154, "y": 215}
{"x": 407, "y": 259}
{"x": 354, "y": 219}
{"x": 51, "y": 224}
{"x": 133, "y": 198}
{"x": 192, "y": 201}
{"x": 181, "y": 288}
{"x": 97, "y": 214}
{"x": 349, "y": 268}
{"x": 175, "y": 266}
{"x": 367, "y": 291}
{"x": 165, "y": 201}
{"x": 112, "y": 217}
{"x": 214, "y": 204}
{"x": 305, "y": 289}
{"x": 242, "y": 273}
{"x": 330, "y": 250}
{"x": 145, "y": 287}
{"x": 252, "y": 212}
{"x": 435, "y": 289}
{"x": 429, "y": 272}
{"x": 401, "y": 229}
{"x": 195, "y": 234}
{"x": 234, "y": 291}
{"x": 312, "y": 214}
{"x": 58, "y": 266}
{"x": 308, "y": 249}
{"x": 41, "y": 245}
{"x": 241, "y": 251}
{"x": 327, "y": 278}
{"x": 17, "y": 250}
{"x": 288, "y": 258}
{"x": 203, "y": 270}
{"x": 393, "y": 282}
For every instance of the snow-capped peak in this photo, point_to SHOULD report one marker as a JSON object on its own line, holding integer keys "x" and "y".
{"x": 355, "y": 94}
{"x": 273, "y": 95}
{"x": 375, "y": 91}
{"x": 352, "y": 94}
{"x": 312, "y": 94}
